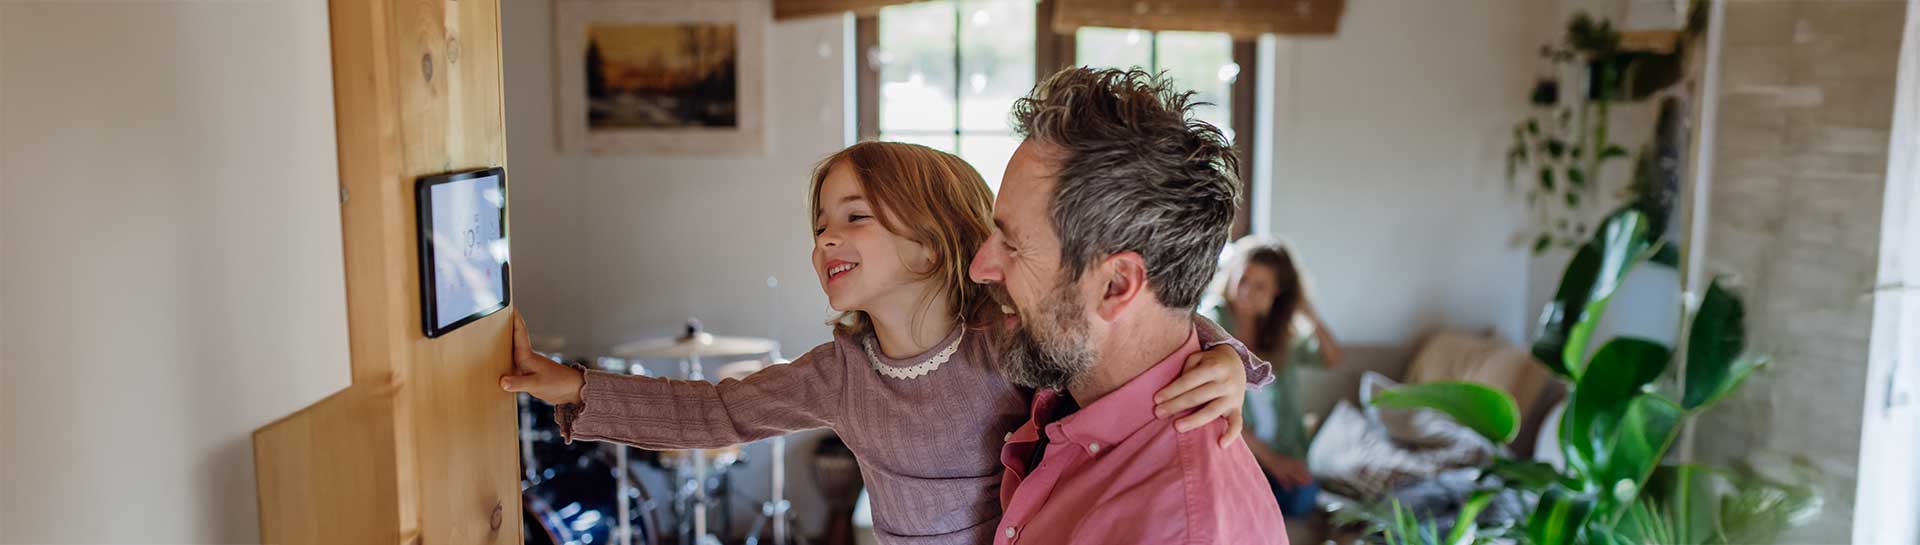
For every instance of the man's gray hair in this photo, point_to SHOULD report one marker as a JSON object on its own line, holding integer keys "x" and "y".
{"x": 1139, "y": 173}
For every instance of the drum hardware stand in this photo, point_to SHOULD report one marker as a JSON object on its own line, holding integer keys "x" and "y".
{"x": 698, "y": 457}
{"x": 776, "y": 509}
{"x": 623, "y": 535}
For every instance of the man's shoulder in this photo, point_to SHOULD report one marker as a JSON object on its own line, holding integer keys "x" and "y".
{"x": 1227, "y": 498}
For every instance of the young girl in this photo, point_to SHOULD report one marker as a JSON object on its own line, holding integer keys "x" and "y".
{"x": 909, "y": 382}
{"x": 1264, "y": 303}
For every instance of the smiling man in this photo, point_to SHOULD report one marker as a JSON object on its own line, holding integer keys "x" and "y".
{"x": 1108, "y": 224}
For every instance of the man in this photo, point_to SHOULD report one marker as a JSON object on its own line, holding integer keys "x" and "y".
{"x": 1108, "y": 224}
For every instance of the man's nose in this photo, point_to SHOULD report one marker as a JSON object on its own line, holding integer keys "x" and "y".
{"x": 986, "y": 264}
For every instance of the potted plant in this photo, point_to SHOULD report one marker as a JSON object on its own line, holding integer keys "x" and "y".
{"x": 1621, "y": 420}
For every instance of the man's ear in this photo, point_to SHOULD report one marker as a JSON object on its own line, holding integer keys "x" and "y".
{"x": 1126, "y": 279}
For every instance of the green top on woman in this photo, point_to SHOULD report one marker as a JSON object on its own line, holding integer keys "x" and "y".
{"x": 1273, "y": 413}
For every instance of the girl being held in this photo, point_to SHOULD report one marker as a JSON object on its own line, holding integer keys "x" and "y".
{"x": 910, "y": 380}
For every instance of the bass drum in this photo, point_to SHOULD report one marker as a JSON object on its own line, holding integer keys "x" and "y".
{"x": 577, "y": 507}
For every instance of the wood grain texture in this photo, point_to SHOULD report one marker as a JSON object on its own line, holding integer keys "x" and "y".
{"x": 788, "y": 9}
{"x": 348, "y": 438}
{"x": 1241, "y": 18}
{"x": 421, "y": 447}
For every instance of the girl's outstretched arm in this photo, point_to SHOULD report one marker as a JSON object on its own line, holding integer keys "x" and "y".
{"x": 659, "y": 413}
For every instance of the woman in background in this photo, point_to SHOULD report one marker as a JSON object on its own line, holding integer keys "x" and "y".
{"x": 1264, "y": 304}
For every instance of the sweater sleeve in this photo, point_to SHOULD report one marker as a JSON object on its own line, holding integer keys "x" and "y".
{"x": 1259, "y": 372}
{"x": 660, "y": 413}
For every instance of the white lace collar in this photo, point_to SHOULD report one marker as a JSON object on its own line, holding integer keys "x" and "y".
{"x": 917, "y": 370}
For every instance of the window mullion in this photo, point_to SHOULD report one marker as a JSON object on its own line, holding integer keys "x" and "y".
{"x": 957, "y": 75}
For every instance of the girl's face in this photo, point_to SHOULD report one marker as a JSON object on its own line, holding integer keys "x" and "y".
{"x": 1255, "y": 289}
{"x": 860, "y": 263}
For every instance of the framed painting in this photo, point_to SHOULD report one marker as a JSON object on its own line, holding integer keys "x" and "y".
{"x": 661, "y": 77}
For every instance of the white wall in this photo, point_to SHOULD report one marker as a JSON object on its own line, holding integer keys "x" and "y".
{"x": 609, "y": 249}
{"x": 1890, "y": 430}
{"x": 1388, "y": 176}
{"x": 170, "y": 264}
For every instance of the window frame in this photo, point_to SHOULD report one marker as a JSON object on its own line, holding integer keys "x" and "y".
{"x": 1052, "y": 52}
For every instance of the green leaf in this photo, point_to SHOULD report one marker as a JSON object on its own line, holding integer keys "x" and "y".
{"x": 1546, "y": 178}
{"x": 1573, "y": 199}
{"x": 1541, "y": 243}
{"x": 1646, "y": 431}
{"x": 1668, "y": 254}
{"x": 1556, "y": 148}
{"x": 1576, "y": 176}
{"x": 1558, "y": 517}
{"x": 1677, "y": 506}
{"x": 1524, "y": 474}
{"x": 1612, "y": 151}
{"x": 1714, "y": 362}
{"x": 1533, "y": 127}
{"x": 1557, "y": 318}
{"x": 1622, "y": 243}
{"x": 1490, "y": 412}
{"x": 1760, "y": 509}
{"x": 1466, "y": 524}
{"x": 1601, "y": 399}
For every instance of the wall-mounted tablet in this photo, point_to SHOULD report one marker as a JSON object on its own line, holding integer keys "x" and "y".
{"x": 463, "y": 248}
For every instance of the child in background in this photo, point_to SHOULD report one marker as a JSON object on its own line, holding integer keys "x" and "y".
{"x": 910, "y": 381}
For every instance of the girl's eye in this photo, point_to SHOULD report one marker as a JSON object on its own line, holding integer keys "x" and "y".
{"x": 856, "y": 217}
{"x": 817, "y": 231}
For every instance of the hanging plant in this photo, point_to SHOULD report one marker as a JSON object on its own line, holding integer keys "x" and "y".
{"x": 1562, "y": 146}
{"x": 1562, "y": 149}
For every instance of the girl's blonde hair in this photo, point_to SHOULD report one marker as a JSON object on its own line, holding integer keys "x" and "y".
{"x": 930, "y": 197}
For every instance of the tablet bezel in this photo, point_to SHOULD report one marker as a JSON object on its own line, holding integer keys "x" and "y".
{"x": 423, "y": 220}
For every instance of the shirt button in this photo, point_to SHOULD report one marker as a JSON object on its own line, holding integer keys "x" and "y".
{"x": 1009, "y": 437}
{"x": 1094, "y": 448}
{"x": 1009, "y": 532}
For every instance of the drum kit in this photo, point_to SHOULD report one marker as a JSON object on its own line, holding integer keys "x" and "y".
{"x": 590, "y": 493}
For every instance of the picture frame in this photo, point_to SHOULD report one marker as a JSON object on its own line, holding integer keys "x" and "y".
{"x": 659, "y": 77}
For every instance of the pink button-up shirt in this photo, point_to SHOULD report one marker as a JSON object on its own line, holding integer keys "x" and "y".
{"x": 1113, "y": 473}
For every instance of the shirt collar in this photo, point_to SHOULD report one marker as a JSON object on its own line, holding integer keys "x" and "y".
{"x": 1125, "y": 410}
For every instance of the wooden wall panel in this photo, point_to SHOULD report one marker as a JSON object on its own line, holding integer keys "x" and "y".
{"x": 788, "y": 9}
{"x": 1242, "y": 18}
{"x": 421, "y": 448}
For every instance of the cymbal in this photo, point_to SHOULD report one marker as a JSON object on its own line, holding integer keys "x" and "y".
{"x": 699, "y": 343}
{"x": 739, "y": 369}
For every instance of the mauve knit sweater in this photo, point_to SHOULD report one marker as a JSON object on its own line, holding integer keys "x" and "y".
{"x": 929, "y": 447}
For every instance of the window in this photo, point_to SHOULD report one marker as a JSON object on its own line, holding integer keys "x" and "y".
{"x": 1200, "y": 61}
{"x": 949, "y": 72}
{"x": 945, "y": 74}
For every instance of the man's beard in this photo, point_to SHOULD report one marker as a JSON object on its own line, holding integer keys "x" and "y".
{"x": 1050, "y": 348}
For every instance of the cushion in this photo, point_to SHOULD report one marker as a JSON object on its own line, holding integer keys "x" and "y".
{"x": 1460, "y": 356}
{"x": 1367, "y": 453}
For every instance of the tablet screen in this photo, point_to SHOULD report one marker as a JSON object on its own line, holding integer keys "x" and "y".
{"x": 467, "y": 258}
